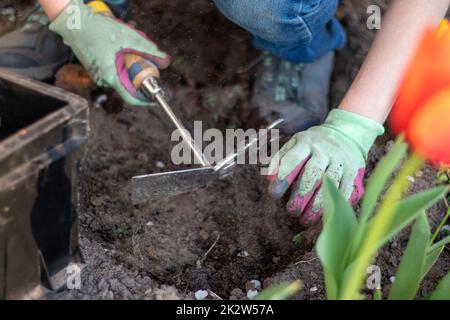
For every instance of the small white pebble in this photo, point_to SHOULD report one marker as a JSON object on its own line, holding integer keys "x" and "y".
{"x": 100, "y": 100}
{"x": 392, "y": 279}
{"x": 256, "y": 284}
{"x": 150, "y": 224}
{"x": 252, "y": 293}
{"x": 313, "y": 289}
{"x": 201, "y": 295}
{"x": 160, "y": 164}
{"x": 243, "y": 254}
{"x": 10, "y": 13}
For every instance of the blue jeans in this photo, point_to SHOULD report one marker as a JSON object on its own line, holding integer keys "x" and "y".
{"x": 121, "y": 8}
{"x": 296, "y": 30}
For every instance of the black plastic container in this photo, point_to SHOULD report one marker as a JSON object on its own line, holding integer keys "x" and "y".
{"x": 43, "y": 131}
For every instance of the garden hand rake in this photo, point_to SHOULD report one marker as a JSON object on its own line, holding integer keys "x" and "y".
{"x": 144, "y": 76}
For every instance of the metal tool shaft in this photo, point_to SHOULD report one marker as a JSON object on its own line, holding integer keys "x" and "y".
{"x": 255, "y": 139}
{"x": 151, "y": 87}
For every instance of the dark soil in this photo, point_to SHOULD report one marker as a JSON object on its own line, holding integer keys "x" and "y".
{"x": 206, "y": 86}
{"x": 158, "y": 250}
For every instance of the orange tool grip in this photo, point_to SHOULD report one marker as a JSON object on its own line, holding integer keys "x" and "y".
{"x": 140, "y": 69}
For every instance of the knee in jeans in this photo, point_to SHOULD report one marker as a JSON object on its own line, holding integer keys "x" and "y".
{"x": 275, "y": 21}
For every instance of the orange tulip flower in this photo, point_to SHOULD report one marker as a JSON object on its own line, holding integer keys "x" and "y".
{"x": 422, "y": 110}
{"x": 429, "y": 129}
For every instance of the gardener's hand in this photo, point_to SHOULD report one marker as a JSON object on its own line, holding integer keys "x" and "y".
{"x": 338, "y": 148}
{"x": 101, "y": 42}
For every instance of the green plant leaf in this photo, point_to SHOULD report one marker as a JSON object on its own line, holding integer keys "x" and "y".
{"x": 375, "y": 186}
{"x": 408, "y": 209}
{"x": 434, "y": 252}
{"x": 281, "y": 291}
{"x": 380, "y": 225}
{"x": 347, "y": 277}
{"x": 377, "y": 295}
{"x": 442, "y": 243}
{"x": 297, "y": 239}
{"x": 380, "y": 177}
{"x": 442, "y": 291}
{"x": 409, "y": 273}
{"x": 405, "y": 212}
{"x": 441, "y": 226}
{"x": 334, "y": 242}
{"x": 432, "y": 257}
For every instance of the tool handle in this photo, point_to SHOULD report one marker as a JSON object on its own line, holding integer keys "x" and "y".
{"x": 100, "y": 7}
{"x": 144, "y": 74}
{"x": 140, "y": 69}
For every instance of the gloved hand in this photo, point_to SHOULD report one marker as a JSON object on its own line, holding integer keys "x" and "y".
{"x": 338, "y": 148}
{"x": 101, "y": 43}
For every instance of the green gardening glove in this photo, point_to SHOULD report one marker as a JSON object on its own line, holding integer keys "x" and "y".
{"x": 338, "y": 148}
{"x": 101, "y": 43}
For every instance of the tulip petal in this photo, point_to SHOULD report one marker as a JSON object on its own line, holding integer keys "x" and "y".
{"x": 429, "y": 130}
{"x": 428, "y": 73}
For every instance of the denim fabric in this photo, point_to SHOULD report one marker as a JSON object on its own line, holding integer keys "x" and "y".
{"x": 296, "y": 30}
{"x": 120, "y": 8}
